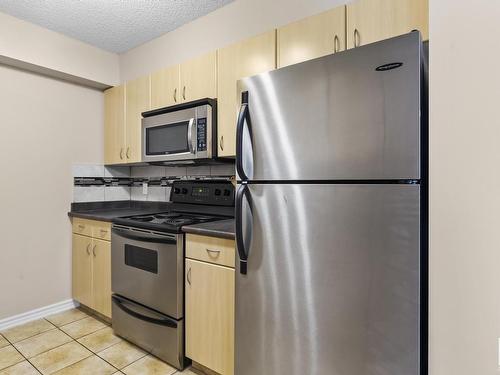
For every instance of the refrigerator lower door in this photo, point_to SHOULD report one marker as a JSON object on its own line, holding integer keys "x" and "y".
{"x": 332, "y": 280}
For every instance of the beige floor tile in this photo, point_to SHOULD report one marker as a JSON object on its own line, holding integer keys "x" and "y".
{"x": 66, "y": 317}
{"x": 42, "y": 342}
{"x": 82, "y": 327}
{"x": 122, "y": 354}
{"x": 24, "y": 331}
{"x": 149, "y": 365}
{"x": 100, "y": 340}
{"x": 3, "y": 341}
{"x": 91, "y": 365}
{"x": 22, "y": 368}
{"x": 9, "y": 356}
{"x": 60, "y": 357}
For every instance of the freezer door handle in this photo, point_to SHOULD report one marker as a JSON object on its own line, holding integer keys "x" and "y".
{"x": 242, "y": 193}
{"x": 243, "y": 118}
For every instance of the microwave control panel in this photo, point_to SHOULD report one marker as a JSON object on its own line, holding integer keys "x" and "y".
{"x": 201, "y": 134}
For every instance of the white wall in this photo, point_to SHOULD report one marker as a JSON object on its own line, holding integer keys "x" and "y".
{"x": 465, "y": 187}
{"x": 46, "y": 126}
{"x": 32, "y": 44}
{"x": 229, "y": 24}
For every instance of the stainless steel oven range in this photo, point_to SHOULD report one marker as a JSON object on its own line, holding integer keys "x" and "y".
{"x": 147, "y": 267}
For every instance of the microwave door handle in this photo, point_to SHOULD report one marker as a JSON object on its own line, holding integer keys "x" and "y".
{"x": 191, "y": 136}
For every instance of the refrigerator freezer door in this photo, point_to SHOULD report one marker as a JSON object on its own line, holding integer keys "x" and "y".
{"x": 332, "y": 283}
{"x": 348, "y": 116}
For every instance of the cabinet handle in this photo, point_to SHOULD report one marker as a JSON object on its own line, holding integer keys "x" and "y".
{"x": 93, "y": 250}
{"x": 184, "y": 93}
{"x": 128, "y": 153}
{"x": 213, "y": 253}
{"x": 121, "y": 153}
{"x": 357, "y": 38}
{"x": 81, "y": 226}
{"x": 104, "y": 231}
{"x": 175, "y": 95}
{"x": 88, "y": 249}
{"x": 221, "y": 143}
{"x": 336, "y": 44}
{"x": 189, "y": 276}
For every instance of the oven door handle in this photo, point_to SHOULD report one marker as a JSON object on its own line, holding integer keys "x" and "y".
{"x": 190, "y": 136}
{"x": 143, "y": 236}
{"x": 120, "y": 303}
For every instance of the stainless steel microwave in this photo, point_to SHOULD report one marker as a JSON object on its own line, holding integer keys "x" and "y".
{"x": 180, "y": 134}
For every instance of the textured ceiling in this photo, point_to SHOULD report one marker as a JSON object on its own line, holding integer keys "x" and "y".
{"x": 113, "y": 25}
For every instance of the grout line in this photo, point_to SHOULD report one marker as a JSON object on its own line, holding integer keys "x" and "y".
{"x": 147, "y": 353}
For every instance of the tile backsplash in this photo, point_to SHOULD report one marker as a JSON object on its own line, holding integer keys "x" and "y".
{"x": 96, "y": 183}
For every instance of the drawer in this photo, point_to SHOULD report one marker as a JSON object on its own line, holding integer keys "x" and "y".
{"x": 82, "y": 226}
{"x": 101, "y": 230}
{"x": 211, "y": 249}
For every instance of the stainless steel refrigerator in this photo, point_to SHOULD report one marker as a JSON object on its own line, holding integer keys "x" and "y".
{"x": 331, "y": 215}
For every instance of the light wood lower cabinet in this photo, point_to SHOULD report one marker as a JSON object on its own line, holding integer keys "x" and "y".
{"x": 210, "y": 313}
{"x": 82, "y": 269}
{"x": 369, "y": 21}
{"x": 91, "y": 266}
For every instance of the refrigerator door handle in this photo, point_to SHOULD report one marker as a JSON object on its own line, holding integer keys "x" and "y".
{"x": 240, "y": 127}
{"x": 242, "y": 193}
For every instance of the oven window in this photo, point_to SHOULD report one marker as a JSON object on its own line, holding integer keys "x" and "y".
{"x": 141, "y": 258}
{"x": 167, "y": 139}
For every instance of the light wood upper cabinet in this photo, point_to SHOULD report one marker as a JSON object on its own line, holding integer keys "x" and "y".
{"x": 114, "y": 125}
{"x": 165, "y": 87}
{"x": 82, "y": 269}
{"x": 312, "y": 37}
{"x": 369, "y": 21}
{"x": 247, "y": 58}
{"x": 198, "y": 78}
{"x": 137, "y": 100}
{"x": 101, "y": 276}
{"x": 210, "y": 315}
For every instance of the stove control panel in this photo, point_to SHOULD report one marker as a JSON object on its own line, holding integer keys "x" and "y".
{"x": 216, "y": 192}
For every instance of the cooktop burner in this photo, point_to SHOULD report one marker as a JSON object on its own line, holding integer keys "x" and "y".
{"x": 192, "y": 202}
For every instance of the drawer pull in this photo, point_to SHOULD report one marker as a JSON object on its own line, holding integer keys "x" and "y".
{"x": 213, "y": 253}
{"x": 81, "y": 226}
{"x": 104, "y": 231}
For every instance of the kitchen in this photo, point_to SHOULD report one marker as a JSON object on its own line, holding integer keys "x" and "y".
{"x": 251, "y": 188}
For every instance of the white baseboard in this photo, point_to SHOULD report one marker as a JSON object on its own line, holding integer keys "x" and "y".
{"x": 37, "y": 314}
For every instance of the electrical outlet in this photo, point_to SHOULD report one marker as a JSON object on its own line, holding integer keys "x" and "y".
{"x": 145, "y": 188}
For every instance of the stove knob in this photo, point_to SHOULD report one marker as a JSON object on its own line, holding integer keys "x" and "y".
{"x": 227, "y": 193}
{"x": 217, "y": 192}
{"x": 177, "y": 190}
{"x": 184, "y": 191}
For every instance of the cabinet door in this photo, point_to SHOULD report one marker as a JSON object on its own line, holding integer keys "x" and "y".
{"x": 114, "y": 125}
{"x": 369, "y": 21}
{"x": 101, "y": 280}
{"x": 210, "y": 315}
{"x": 252, "y": 56}
{"x": 137, "y": 101}
{"x": 82, "y": 269}
{"x": 312, "y": 37}
{"x": 198, "y": 78}
{"x": 165, "y": 87}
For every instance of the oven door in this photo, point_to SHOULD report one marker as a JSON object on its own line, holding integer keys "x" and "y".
{"x": 147, "y": 267}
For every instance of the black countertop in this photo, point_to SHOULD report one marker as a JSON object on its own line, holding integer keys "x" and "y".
{"x": 107, "y": 211}
{"x": 221, "y": 228}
